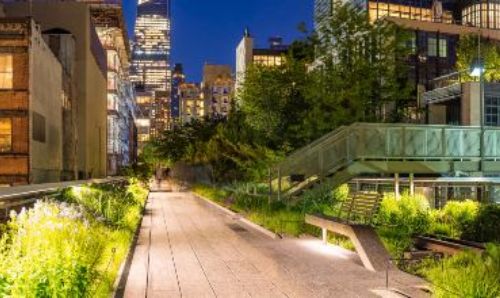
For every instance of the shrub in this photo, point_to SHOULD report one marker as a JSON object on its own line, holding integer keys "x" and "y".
{"x": 113, "y": 203}
{"x": 485, "y": 226}
{"x": 467, "y": 275}
{"x": 280, "y": 221}
{"x": 60, "y": 249}
{"x": 212, "y": 193}
{"x": 315, "y": 200}
{"x": 247, "y": 203}
{"x": 341, "y": 193}
{"x": 399, "y": 219}
{"x": 409, "y": 214}
{"x": 50, "y": 251}
{"x": 395, "y": 240}
{"x": 455, "y": 218}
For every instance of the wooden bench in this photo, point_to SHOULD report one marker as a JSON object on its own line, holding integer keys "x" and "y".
{"x": 361, "y": 208}
{"x": 370, "y": 249}
{"x": 354, "y": 220}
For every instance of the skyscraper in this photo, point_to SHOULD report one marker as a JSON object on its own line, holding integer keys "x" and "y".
{"x": 151, "y": 58}
{"x": 322, "y": 9}
{"x": 178, "y": 79}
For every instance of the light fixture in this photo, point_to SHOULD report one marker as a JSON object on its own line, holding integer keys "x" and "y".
{"x": 477, "y": 68}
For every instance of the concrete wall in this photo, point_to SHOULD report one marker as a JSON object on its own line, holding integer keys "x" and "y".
{"x": 46, "y": 96}
{"x": 62, "y": 45}
{"x": 244, "y": 56}
{"x": 437, "y": 114}
{"x": 471, "y": 114}
{"x": 90, "y": 77}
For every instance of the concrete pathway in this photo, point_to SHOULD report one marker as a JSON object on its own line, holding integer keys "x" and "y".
{"x": 188, "y": 249}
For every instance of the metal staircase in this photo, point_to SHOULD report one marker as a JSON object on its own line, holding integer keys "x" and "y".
{"x": 366, "y": 148}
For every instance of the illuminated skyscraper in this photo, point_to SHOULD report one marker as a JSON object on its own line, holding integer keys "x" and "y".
{"x": 151, "y": 58}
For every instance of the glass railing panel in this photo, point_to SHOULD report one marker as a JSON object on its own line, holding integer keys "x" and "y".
{"x": 394, "y": 142}
{"x": 492, "y": 143}
{"x": 415, "y": 144}
{"x": 434, "y": 145}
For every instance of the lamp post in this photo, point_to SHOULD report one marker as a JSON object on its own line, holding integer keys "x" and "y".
{"x": 477, "y": 70}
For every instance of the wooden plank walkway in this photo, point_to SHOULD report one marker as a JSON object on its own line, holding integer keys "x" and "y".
{"x": 188, "y": 249}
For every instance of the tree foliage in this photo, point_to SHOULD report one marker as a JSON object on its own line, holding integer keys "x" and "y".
{"x": 359, "y": 74}
{"x": 351, "y": 70}
{"x": 225, "y": 144}
{"x": 468, "y": 52}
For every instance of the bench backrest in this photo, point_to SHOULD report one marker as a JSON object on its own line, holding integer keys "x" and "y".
{"x": 361, "y": 208}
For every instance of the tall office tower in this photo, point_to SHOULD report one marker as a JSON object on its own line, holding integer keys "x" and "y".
{"x": 151, "y": 59}
{"x": 322, "y": 9}
{"x": 178, "y": 79}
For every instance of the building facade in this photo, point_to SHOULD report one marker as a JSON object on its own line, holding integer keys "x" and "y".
{"x": 108, "y": 18}
{"x": 89, "y": 100}
{"x": 62, "y": 43}
{"x": 247, "y": 54}
{"x": 217, "y": 90}
{"x": 436, "y": 28}
{"x": 192, "y": 105}
{"x": 178, "y": 78}
{"x": 145, "y": 107}
{"x": 31, "y": 105}
{"x": 151, "y": 59}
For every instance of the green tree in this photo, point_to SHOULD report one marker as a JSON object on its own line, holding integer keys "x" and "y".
{"x": 361, "y": 72}
{"x": 274, "y": 104}
{"x": 467, "y": 55}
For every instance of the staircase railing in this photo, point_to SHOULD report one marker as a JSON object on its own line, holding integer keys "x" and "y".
{"x": 389, "y": 142}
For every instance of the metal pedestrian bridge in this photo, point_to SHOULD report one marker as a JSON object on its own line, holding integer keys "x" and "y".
{"x": 389, "y": 149}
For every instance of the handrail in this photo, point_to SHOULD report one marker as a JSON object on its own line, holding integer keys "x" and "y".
{"x": 316, "y": 142}
{"x": 24, "y": 191}
{"x": 385, "y": 142}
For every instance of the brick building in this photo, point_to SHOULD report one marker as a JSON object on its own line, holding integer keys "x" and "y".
{"x": 89, "y": 64}
{"x": 31, "y": 125}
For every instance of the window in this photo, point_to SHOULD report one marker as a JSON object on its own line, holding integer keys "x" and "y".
{"x": 411, "y": 44}
{"x": 432, "y": 47}
{"x": 6, "y": 71}
{"x": 38, "y": 127}
{"x": 492, "y": 111}
{"x": 443, "y": 48}
{"x": 143, "y": 99}
{"x": 5, "y": 134}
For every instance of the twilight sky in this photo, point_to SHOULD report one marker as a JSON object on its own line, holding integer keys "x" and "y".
{"x": 209, "y": 30}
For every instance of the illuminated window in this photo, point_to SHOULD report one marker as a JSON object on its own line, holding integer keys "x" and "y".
{"x": 443, "y": 48}
{"x": 378, "y": 10}
{"x": 484, "y": 15}
{"x": 432, "y": 47}
{"x": 143, "y": 99}
{"x": 5, "y": 134}
{"x": 6, "y": 71}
